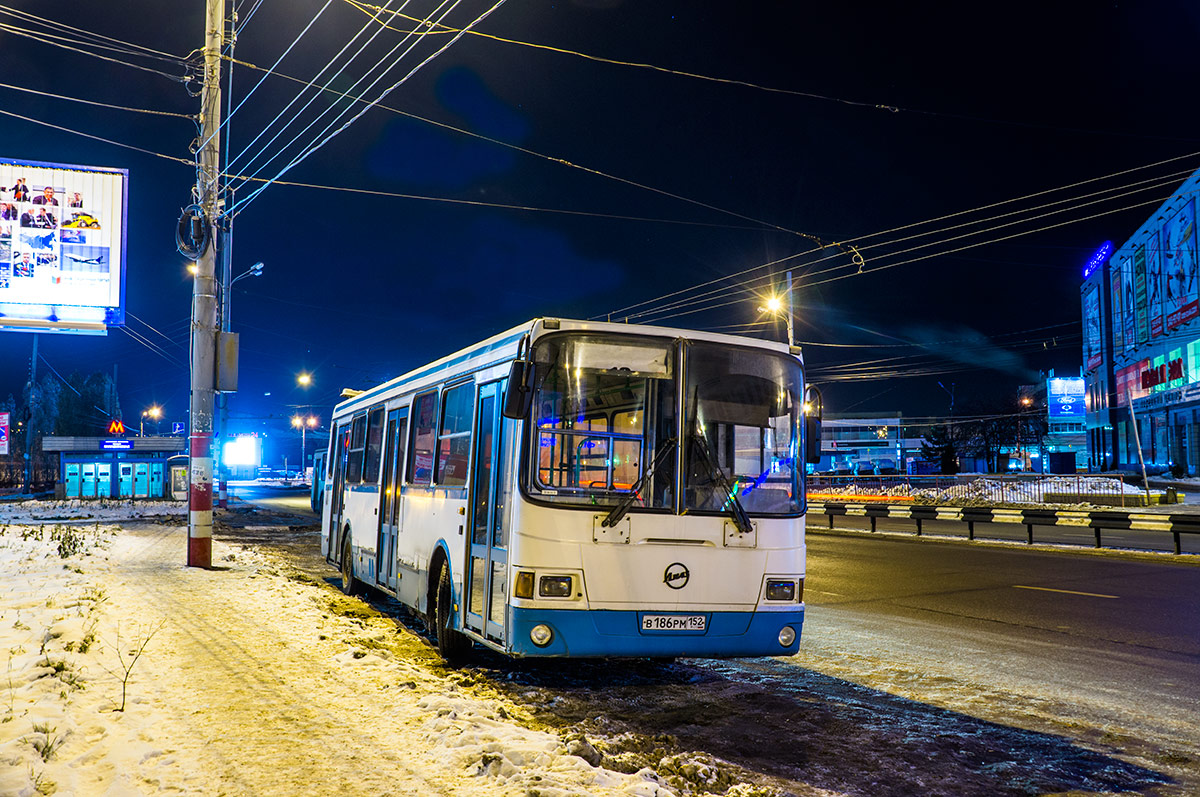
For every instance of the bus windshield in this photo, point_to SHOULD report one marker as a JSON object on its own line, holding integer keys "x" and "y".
{"x": 742, "y": 428}
{"x": 603, "y": 411}
{"x": 607, "y": 426}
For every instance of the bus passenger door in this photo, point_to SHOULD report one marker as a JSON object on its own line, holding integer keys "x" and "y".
{"x": 389, "y": 497}
{"x": 341, "y": 446}
{"x": 491, "y": 496}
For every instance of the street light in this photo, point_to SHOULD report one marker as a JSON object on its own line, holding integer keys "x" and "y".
{"x": 154, "y": 412}
{"x": 304, "y": 379}
{"x": 222, "y": 398}
{"x": 775, "y": 305}
{"x": 303, "y": 423}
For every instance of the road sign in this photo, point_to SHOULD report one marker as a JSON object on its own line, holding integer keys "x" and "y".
{"x": 178, "y": 428}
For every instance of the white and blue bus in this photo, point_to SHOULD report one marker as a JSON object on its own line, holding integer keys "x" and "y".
{"x": 582, "y": 489}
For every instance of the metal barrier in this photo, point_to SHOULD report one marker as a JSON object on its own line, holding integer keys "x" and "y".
{"x": 1096, "y": 521}
{"x": 998, "y": 489}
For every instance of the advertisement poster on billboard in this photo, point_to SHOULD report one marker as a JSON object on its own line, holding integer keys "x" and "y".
{"x": 1091, "y": 325}
{"x": 1179, "y": 259}
{"x": 1140, "y": 294}
{"x": 62, "y": 247}
{"x": 3, "y": 434}
{"x": 1154, "y": 281}
{"x": 1065, "y": 398}
{"x": 1128, "y": 305}
{"x": 1118, "y": 334}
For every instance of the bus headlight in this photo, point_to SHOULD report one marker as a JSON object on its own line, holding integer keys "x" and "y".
{"x": 786, "y": 636}
{"x": 524, "y": 586}
{"x": 781, "y": 590}
{"x": 541, "y": 635}
{"x": 554, "y": 586}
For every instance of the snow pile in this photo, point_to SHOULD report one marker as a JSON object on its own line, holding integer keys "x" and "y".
{"x": 90, "y": 509}
{"x": 1058, "y": 489}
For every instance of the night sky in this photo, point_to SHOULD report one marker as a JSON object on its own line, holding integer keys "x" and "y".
{"x": 883, "y": 115}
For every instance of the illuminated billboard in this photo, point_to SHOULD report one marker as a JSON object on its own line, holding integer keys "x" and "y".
{"x": 243, "y": 450}
{"x": 62, "y": 247}
{"x": 1064, "y": 397}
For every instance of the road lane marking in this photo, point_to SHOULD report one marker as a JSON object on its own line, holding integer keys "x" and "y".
{"x": 1068, "y": 592}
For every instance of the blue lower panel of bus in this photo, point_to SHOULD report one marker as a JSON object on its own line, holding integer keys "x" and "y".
{"x": 615, "y": 633}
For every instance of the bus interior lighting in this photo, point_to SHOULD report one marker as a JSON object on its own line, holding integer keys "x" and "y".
{"x": 524, "y": 585}
{"x": 554, "y": 587}
{"x": 541, "y": 635}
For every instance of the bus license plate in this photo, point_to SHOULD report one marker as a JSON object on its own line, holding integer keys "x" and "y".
{"x": 674, "y": 622}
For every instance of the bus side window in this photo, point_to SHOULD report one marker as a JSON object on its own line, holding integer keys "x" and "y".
{"x": 454, "y": 441}
{"x": 374, "y": 445}
{"x": 358, "y": 439}
{"x": 424, "y": 438}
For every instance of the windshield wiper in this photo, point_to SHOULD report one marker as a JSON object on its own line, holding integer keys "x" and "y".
{"x": 736, "y": 511}
{"x": 625, "y": 504}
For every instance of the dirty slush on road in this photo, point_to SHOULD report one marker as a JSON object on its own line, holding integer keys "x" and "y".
{"x": 739, "y": 727}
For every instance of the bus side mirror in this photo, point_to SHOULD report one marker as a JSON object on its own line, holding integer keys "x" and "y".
{"x": 812, "y": 439}
{"x": 519, "y": 395}
{"x": 814, "y": 408}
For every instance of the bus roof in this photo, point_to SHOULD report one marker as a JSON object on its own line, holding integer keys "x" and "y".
{"x": 503, "y": 346}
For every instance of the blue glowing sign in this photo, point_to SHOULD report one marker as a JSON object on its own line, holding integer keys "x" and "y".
{"x": 1065, "y": 398}
{"x": 1101, "y": 255}
{"x": 116, "y": 445}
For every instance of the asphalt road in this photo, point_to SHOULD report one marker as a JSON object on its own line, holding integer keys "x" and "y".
{"x": 1104, "y": 639}
{"x": 281, "y": 499}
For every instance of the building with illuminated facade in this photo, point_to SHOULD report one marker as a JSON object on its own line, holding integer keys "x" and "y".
{"x": 1141, "y": 343}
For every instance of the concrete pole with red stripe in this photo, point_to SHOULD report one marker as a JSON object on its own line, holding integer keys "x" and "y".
{"x": 204, "y": 299}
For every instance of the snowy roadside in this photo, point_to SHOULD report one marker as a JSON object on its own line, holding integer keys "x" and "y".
{"x": 252, "y": 679}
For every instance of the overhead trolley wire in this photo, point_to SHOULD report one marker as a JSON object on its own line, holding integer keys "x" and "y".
{"x": 249, "y": 94}
{"x": 624, "y": 310}
{"x": 878, "y": 106}
{"x": 383, "y": 73}
{"x": 759, "y": 282}
{"x": 299, "y": 94}
{"x": 550, "y": 158}
{"x": 314, "y": 147}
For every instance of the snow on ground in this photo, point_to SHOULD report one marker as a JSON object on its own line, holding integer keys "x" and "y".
{"x": 128, "y": 673}
{"x": 991, "y": 490}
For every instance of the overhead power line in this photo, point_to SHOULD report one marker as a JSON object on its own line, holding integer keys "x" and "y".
{"x": 97, "y": 104}
{"x": 316, "y": 146}
{"x": 655, "y": 307}
{"x": 822, "y": 242}
{"x": 60, "y": 42}
{"x": 184, "y": 161}
{"x": 877, "y": 106}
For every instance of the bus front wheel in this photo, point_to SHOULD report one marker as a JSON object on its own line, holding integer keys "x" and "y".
{"x": 451, "y": 644}
{"x": 349, "y": 582}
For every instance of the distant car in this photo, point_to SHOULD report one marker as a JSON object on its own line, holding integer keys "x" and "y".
{"x": 81, "y": 219}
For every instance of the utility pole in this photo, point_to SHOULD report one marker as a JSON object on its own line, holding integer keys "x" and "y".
{"x": 790, "y": 309}
{"x": 30, "y": 404}
{"x": 204, "y": 299}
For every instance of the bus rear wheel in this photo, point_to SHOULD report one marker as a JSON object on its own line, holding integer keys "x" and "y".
{"x": 451, "y": 644}
{"x": 350, "y": 584}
